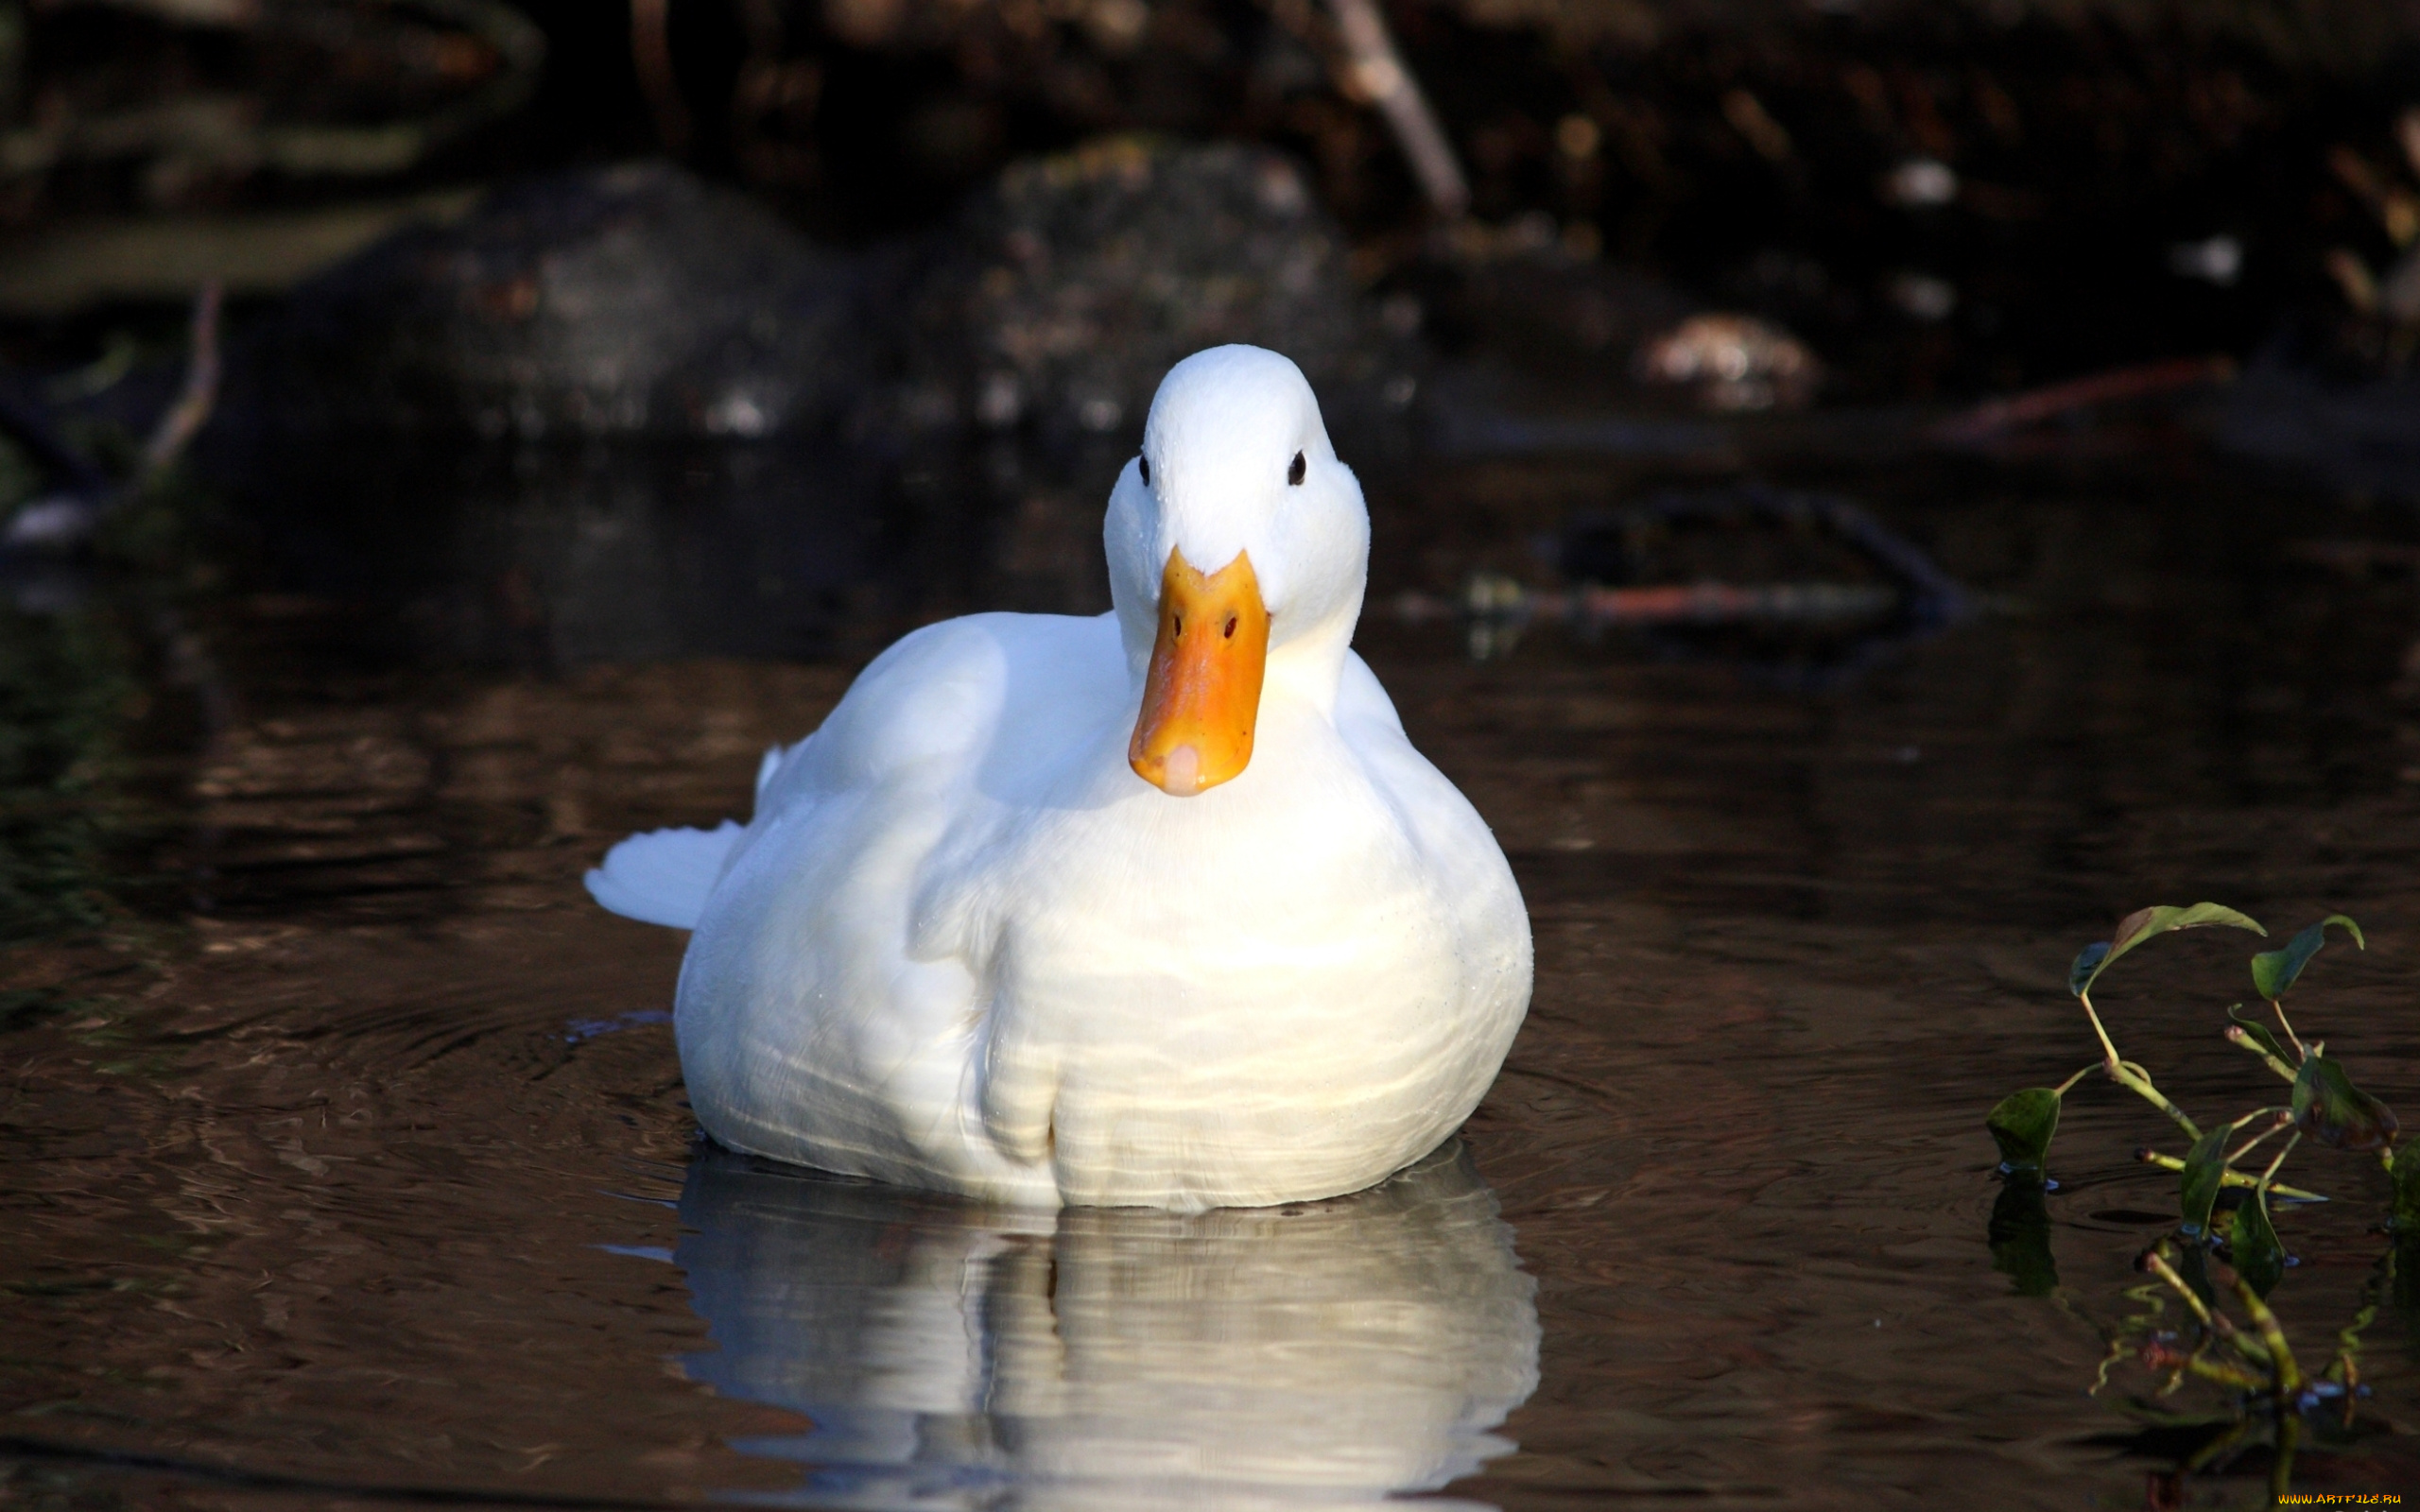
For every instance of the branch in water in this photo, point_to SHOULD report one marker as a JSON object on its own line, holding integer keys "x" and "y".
{"x": 191, "y": 411}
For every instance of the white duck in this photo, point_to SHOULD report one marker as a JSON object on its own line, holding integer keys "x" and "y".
{"x": 1158, "y": 908}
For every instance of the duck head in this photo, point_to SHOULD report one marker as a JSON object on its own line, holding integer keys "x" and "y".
{"x": 1239, "y": 547}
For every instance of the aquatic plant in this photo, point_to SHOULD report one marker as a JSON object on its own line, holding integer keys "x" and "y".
{"x": 2227, "y": 1334}
{"x": 101, "y": 545}
{"x": 65, "y": 690}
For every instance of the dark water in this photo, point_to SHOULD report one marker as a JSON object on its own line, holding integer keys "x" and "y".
{"x": 353, "y": 1167}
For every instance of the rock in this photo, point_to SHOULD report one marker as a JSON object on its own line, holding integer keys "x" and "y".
{"x": 603, "y": 415}
{"x": 1065, "y": 292}
{"x": 638, "y": 301}
{"x": 1518, "y": 295}
{"x": 1731, "y": 362}
{"x": 625, "y": 413}
{"x": 641, "y": 301}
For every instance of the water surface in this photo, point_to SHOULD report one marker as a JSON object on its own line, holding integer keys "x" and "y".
{"x": 353, "y": 1164}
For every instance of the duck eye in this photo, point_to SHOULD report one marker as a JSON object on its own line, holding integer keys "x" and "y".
{"x": 1145, "y": 463}
{"x": 1294, "y": 472}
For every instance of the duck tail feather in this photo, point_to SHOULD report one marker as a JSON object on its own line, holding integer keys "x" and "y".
{"x": 663, "y": 877}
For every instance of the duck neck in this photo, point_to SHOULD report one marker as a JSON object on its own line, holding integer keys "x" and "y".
{"x": 1309, "y": 665}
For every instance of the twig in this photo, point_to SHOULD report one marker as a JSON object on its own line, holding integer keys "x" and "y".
{"x": 1662, "y": 604}
{"x": 652, "y": 55}
{"x": 67, "y": 519}
{"x": 191, "y": 410}
{"x": 1376, "y": 72}
{"x": 1997, "y": 416}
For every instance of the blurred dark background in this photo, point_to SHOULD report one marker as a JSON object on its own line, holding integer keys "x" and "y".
{"x": 1945, "y": 197}
{"x": 553, "y": 332}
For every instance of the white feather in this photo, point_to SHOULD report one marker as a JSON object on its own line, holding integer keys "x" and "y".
{"x": 963, "y": 945}
{"x": 665, "y": 876}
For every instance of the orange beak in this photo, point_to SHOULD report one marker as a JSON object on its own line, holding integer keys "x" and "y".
{"x": 1201, "y": 697}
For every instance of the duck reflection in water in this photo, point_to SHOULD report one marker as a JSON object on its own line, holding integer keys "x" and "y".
{"x": 1320, "y": 1354}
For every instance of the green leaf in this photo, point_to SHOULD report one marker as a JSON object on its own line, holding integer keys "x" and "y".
{"x": 2329, "y": 1109}
{"x": 2205, "y": 1169}
{"x": 2274, "y": 971}
{"x": 2022, "y": 1124}
{"x": 2086, "y": 966}
{"x": 2259, "y": 1259}
{"x": 2141, "y": 925}
{"x": 2259, "y": 1034}
{"x": 2407, "y": 1190}
{"x": 2020, "y": 1236}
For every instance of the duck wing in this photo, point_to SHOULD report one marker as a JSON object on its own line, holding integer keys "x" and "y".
{"x": 933, "y": 701}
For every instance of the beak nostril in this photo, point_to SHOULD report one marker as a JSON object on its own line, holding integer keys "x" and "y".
{"x": 1294, "y": 470}
{"x": 1145, "y": 463}
{"x": 1229, "y": 631}
{"x": 1176, "y": 625}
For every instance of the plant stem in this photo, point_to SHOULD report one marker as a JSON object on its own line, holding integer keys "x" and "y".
{"x": 2131, "y": 1076}
{"x": 2345, "y": 1369}
{"x": 2233, "y": 1178}
{"x": 2160, "y": 1267}
{"x": 2108, "y": 1051}
{"x": 2235, "y": 1036}
{"x": 2281, "y": 1469}
{"x": 2270, "y": 1175}
{"x": 2136, "y": 1079}
{"x": 2245, "y": 1148}
{"x": 2216, "y": 1322}
{"x": 2277, "y": 1006}
{"x": 2062, "y": 1087}
{"x": 2281, "y": 1357}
